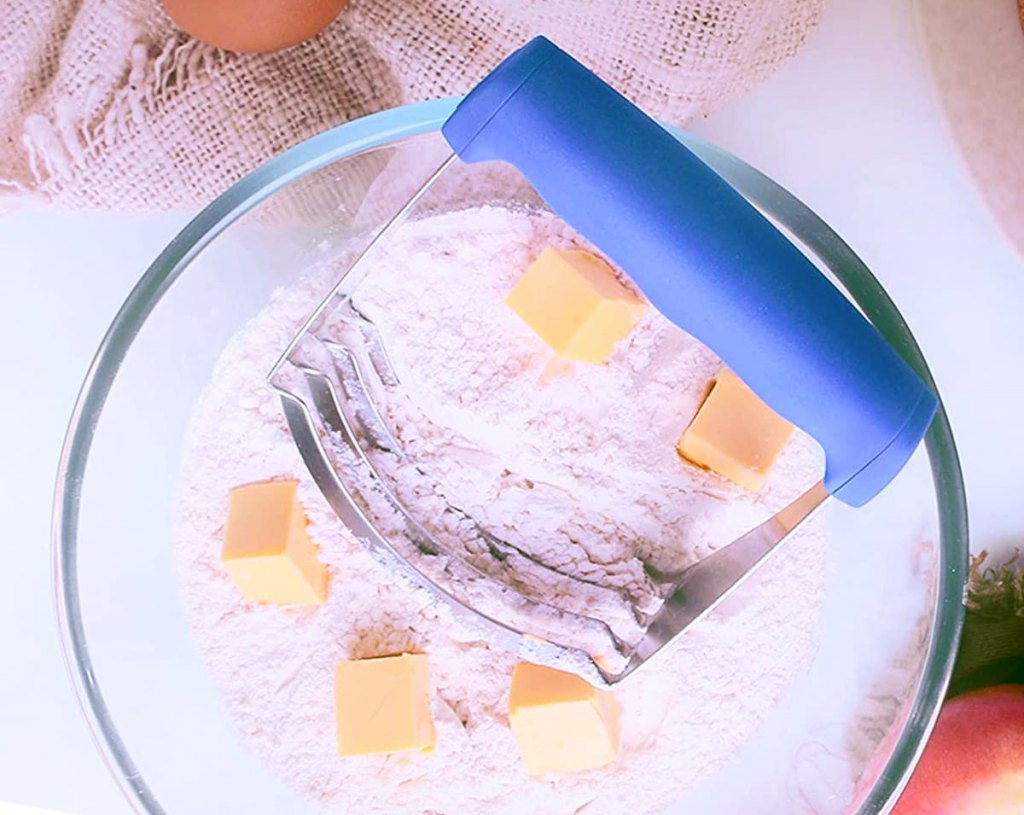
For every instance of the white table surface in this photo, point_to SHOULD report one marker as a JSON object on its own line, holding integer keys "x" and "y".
{"x": 851, "y": 126}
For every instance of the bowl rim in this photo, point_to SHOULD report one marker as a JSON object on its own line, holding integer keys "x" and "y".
{"x": 410, "y": 120}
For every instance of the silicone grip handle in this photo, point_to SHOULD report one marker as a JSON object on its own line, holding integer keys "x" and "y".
{"x": 704, "y": 257}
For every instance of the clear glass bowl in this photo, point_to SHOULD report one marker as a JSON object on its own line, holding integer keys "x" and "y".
{"x": 844, "y": 739}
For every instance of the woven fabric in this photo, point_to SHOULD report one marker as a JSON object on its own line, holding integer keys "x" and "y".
{"x": 107, "y": 106}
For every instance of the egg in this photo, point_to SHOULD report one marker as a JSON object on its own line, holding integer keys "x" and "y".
{"x": 253, "y": 25}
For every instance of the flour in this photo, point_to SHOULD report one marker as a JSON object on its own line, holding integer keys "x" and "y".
{"x": 574, "y": 464}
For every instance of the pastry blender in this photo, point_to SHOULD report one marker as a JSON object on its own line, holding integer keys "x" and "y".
{"x": 703, "y": 256}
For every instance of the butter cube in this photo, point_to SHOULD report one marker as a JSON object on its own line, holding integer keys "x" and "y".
{"x": 561, "y": 722}
{"x": 267, "y": 550}
{"x": 383, "y": 705}
{"x": 735, "y": 434}
{"x": 572, "y": 299}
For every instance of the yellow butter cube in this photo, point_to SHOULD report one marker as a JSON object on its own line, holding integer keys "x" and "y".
{"x": 561, "y": 723}
{"x": 383, "y": 705}
{"x": 735, "y": 434}
{"x": 267, "y": 550}
{"x": 575, "y": 303}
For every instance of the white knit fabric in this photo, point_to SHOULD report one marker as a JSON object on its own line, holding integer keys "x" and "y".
{"x": 105, "y": 105}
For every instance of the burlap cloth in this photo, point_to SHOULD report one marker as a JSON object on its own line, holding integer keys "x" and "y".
{"x": 105, "y": 105}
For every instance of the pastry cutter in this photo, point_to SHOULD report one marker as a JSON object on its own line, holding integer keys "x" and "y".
{"x": 710, "y": 263}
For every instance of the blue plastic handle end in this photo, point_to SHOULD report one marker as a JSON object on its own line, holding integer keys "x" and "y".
{"x": 704, "y": 257}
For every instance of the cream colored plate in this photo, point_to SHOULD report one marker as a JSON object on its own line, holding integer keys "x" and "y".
{"x": 976, "y": 52}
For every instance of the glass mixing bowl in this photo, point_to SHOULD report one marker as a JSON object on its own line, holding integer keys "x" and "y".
{"x": 844, "y": 739}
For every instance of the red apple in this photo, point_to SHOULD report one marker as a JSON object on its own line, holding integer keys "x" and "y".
{"x": 974, "y": 761}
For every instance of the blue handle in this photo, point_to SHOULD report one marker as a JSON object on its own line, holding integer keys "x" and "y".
{"x": 704, "y": 257}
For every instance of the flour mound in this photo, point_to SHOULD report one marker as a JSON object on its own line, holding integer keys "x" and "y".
{"x": 574, "y": 463}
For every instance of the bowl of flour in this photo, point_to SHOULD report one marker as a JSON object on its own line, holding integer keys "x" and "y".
{"x": 810, "y": 690}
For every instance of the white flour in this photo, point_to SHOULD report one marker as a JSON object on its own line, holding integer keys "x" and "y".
{"x": 574, "y": 463}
